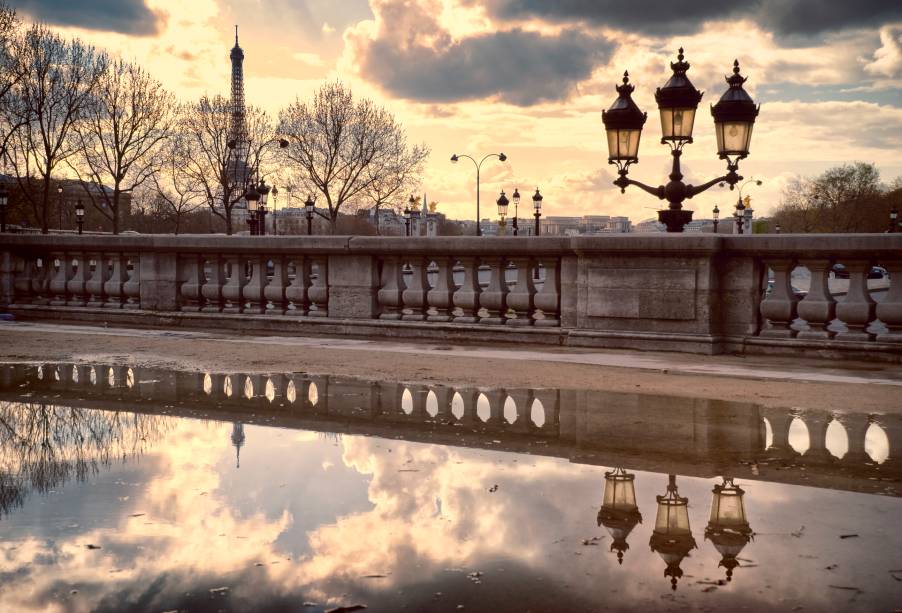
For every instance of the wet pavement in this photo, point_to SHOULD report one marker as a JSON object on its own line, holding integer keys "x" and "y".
{"x": 133, "y": 488}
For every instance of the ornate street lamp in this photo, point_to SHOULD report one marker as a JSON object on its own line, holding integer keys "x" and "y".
{"x": 893, "y": 216}
{"x": 619, "y": 513}
{"x": 310, "y": 208}
{"x": 728, "y": 528}
{"x": 716, "y": 212}
{"x": 264, "y": 190}
{"x": 537, "y": 205}
{"x": 275, "y": 207}
{"x": 252, "y": 196}
{"x": 742, "y": 204}
{"x": 456, "y": 158}
{"x": 502, "y": 203}
{"x": 4, "y": 201}
{"x": 407, "y": 221}
{"x": 677, "y": 102}
{"x": 516, "y": 199}
{"x": 414, "y": 216}
{"x": 672, "y": 537}
{"x": 79, "y": 215}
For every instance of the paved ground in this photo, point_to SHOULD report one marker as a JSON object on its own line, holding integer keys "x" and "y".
{"x": 841, "y": 386}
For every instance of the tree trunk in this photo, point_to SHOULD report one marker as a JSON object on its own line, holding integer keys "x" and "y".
{"x": 45, "y": 206}
{"x": 115, "y": 211}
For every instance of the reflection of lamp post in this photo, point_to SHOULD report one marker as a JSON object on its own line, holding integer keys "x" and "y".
{"x": 502, "y": 203}
{"x": 734, "y": 115}
{"x": 79, "y": 215}
{"x": 619, "y": 513}
{"x": 728, "y": 528}
{"x": 537, "y": 205}
{"x": 672, "y": 537}
{"x": 456, "y": 158}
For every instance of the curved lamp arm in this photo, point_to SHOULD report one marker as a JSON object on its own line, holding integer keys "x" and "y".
{"x": 623, "y": 182}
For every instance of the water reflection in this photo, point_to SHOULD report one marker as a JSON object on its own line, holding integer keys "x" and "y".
{"x": 424, "y": 498}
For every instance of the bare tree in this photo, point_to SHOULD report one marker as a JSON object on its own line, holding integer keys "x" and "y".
{"x": 61, "y": 75}
{"x": 339, "y": 146}
{"x": 217, "y": 166}
{"x": 126, "y": 121}
{"x": 11, "y": 70}
{"x": 390, "y": 183}
{"x": 175, "y": 191}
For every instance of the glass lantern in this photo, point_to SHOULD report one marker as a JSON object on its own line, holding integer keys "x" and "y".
{"x": 619, "y": 513}
{"x": 734, "y": 117}
{"x": 672, "y": 537}
{"x": 623, "y": 125}
{"x": 677, "y": 103}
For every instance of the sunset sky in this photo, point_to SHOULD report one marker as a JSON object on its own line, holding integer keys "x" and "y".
{"x": 531, "y": 78}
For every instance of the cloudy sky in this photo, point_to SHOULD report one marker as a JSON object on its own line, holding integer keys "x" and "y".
{"x": 531, "y": 78}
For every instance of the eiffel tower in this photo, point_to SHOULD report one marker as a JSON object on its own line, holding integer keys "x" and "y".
{"x": 238, "y": 125}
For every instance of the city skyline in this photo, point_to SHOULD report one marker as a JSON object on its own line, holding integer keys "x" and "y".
{"x": 532, "y": 82}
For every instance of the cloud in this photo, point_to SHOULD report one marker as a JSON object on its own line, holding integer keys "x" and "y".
{"x": 411, "y": 55}
{"x": 123, "y": 16}
{"x": 887, "y": 60}
{"x": 788, "y": 18}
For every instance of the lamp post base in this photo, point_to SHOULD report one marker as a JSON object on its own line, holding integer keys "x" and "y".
{"x": 674, "y": 219}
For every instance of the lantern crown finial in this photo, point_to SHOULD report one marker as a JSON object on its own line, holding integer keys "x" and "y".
{"x": 736, "y": 80}
{"x": 680, "y": 66}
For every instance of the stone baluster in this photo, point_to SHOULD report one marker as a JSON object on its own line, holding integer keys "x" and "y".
{"x": 75, "y": 286}
{"x": 780, "y": 420}
{"x": 818, "y": 308}
{"x": 252, "y": 292}
{"x": 470, "y": 397}
{"x": 40, "y": 279}
{"x": 390, "y": 397}
{"x": 548, "y": 299}
{"x": 322, "y": 387}
{"x": 237, "y": 279}
{"x": 889, "y": 310}
{"x": 94, "y": 284}
{"x": 520, "y": 299}
{"x": 418, "y": 394}
{"x": 212, "y": 287}
{"x": 318, "y": 292}
{"x": 112, "y": 289}
{"x": 192, "y": 282}
{"x": 414, "y": 294}
{"x": 131, "y": 289}
{"x": 856, "y": 425}
{"x": 496, "y": 400}
{"x": 297, "y": 290}
{"x": 892, "y": 427}
{"x": 440, "y": 297}
{"x": 60, "y": 278}
{"x": 551, "y": 405}
{"x": 466, "y": 297}
{"x": 494, "y": 298}
{"x": 817, "y": 423}
{"x": 443, "y": 396}
{"x": 274, "y": 292}
{"x": 391, "y": 288}
{"x": 523, "y": 401}
{"x": 857, "y": 309}
{"x": 780, "y": 308}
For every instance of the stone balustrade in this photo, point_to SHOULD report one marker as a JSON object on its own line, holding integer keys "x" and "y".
{"x": 696, "y": 436}
{"x": 699, "y": 293}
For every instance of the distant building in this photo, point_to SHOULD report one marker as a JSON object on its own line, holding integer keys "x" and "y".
{"x": 555, "y": 225}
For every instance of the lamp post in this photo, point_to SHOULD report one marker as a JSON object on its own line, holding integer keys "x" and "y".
{"x": 502, "y": 203}
{"x": 414, "y": 216}
{"x": 516, "y": 198}
{"x": 310, "y": 208}
{"x": 455, "y": 158}
{"x": 59, "y": 206}
{"x": 716, "y": 212}
{"x": 741, "y": 204}
{"x": 252, "y": 196}
{"x": 79, "y": 215}
{"x": 264, "y": 190}
{"x": 672, "y": 537}
{"x": 537, "y": 205}
{"x": 4, "y": 201}
{"x": 407, "y": 221}
{"x": 734, "y": 115}
{"x": 728, "y": 528}
{"x": 893, "y": 216}
{"x": 619, "y": 513}
{"x": 275, "y": 207}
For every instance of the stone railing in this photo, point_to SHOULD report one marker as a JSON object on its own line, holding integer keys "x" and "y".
{"x": 700, "y": 293}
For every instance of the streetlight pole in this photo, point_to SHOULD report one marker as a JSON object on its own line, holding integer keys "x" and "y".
{"x": 59, "y": 205}
{"x": 516, "y": 199}
{"x": 455, "y": 158}
{"x": 716, "y": 212}
{"x": 80, "y": 215}
{"x": 740, "y": 205}
{"x": 252, "y": 196}
{"x": 502, "y": 203}
{"x": 309, "y": 207}
{"x": 407, "y": 221}
{"x": 261, "y": 211}
{"x": 734, "y": 115}
{"x": 537, "y": 205}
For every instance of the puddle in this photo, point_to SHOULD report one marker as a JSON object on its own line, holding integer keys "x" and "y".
{"x": 146, "y": 489}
